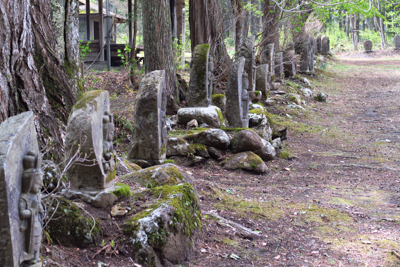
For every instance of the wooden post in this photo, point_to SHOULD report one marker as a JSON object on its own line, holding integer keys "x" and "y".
{"x": 108, "y": 28}
{"x": 183, "y": 38}
{"x": 101, "y": 30}
{"x": 87, "y": 19}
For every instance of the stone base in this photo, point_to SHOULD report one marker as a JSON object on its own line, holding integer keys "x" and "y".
{"x": 145, "y": 163}
{"x": 96, "y": 198}
{"x": 368, "y": 51}
{"x": 397, "y": 48}
{"x": 245, "y": 123}
{"x": 38, "y": 264}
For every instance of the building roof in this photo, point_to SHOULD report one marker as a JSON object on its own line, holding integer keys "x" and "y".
{"x": 95, "y": 8}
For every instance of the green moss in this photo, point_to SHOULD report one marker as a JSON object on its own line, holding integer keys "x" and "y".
{"x": 217, "y": 97}
{"x": 186, "y": 216}
{"x": 258, "y": 111}
{"x": 292, "y": 98}
{"x": 220, "y": 117}
{"x": 132, "y": 166}
{"x": 163, "y": 149}
{"x": 111, "y": 175}
{"x": 257, "y": 93}
{"x": 199, "y": 149}
{"x": 285, "y": 154}
{"x": 169, "y": 161}
{"x": 71, "y": 228}
{"x": 148, "y": 178}
{"x": 87, "y": 98}
{"x": 122, "y": 190}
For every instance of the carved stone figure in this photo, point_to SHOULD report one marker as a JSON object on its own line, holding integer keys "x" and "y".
{"x": 108, "y": 136}
{"x": 245, "y": 100}
{"x": 90, "y": 133}
{"x": 31, "y": 210}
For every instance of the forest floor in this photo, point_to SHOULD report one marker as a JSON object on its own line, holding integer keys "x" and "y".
{"x": 335, "y": 203}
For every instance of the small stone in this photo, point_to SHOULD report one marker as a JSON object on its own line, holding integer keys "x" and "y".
{"x": 246, "y": 161}
{"x": 204, "y": 125}
{"x": 307, "y": 92}
{"x": 209, "y": 115}
{"x": 215, "y": 153}
{"x": 321, "y": 97}
{"x": 117, "y": 210}
{"x": 104, "y": 199}
{"x": 192, "y": 124}
{"x": 305, "y": 81}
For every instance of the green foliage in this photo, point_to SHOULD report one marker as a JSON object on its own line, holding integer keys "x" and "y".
{"x": 84, "y": 50}
{"x": 372, "y": 36}
{"x": 336, "y": 36}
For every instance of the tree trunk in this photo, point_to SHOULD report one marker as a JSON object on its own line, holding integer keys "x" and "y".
{"x": 32, "y": 75}
{"x": 158, "y": 52}
{"x": 237, "y": 6}
{"x": 381, "y": 26}
{"x": 299, "y": 31}
{"x": 180, "y": 4}
{"x": 198, "y": 24}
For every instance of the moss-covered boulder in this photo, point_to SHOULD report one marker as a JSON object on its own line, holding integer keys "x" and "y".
{"x": 177, "y": 146}
{"x": 247, "y": 140}
{"x": 200, "y": 150}
{"x": 213, "y": 137}
{"x": 165, "y": 233}
{"x": 294, "y": 98}
{"x": 166, "y": 174}
{"x": 246, "y": 161}
{"x": 69, "y": 227}
{"x": 211, "y": 115}
{"x": 132, "y": 166}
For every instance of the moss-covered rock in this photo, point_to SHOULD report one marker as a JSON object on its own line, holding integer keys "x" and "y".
{"x": 213, "y": 137}
{"x": 69, "y": 227}
{"x": 165, "y": 233}
{"x": 200, "y": 150}
{"x": 177, "y": 146}
{"x": 122, "y": 190}
{"x": 132, "y": 166}
{"x": 166, "y": 174}
{"x": 219, "y": 100}
{"x": 246, "y": 161}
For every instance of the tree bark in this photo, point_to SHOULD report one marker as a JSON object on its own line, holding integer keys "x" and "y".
{"x": 180, "y": 4}
{"x": 32, "y": 76}
{"x": 198, "y": 24}
{"x": 158, "y": 52}
{"x": 237, "y": 6}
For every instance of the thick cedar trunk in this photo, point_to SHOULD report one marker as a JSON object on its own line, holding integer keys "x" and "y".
{"x": 298, "y": 29}
{"x": 32, "y": 76}
{"x": 198, "y": 24}
{"x": 158, "y": 51}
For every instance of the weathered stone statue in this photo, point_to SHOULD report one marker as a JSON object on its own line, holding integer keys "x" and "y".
{"x": 278, "y": 67}
{"x": 149, "y": 139}
{"x": 262, "y": 83}
{"x": 237, "y": 97}
{"x": 307, "y": 55}
{"x": 289, "y": 59}
{"x": 31, "y": 210}
{"x": 325, "y": 46}
{"x": 108, "y": 148}
{"x": 88, "y": 143}
{"x": 397, "y": 42}
{"x": 318, "y": 41}
{"x": 247, "y": 51}
{"x": 200, "y": 85}
{"x": 267, "y": 57}
{"x": 368, "y": 46}
{"x": 20, "y": 183}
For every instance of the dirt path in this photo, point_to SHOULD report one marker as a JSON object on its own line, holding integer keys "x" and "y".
{"x": 337, "y": 202}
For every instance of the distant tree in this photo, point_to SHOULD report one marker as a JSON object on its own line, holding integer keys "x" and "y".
{"x": 158, "y": 50}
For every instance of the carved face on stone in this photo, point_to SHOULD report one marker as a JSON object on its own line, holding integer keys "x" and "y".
{"x": 37, "y": 182}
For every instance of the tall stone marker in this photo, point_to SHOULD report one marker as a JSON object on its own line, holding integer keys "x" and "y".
{"x": 368, "y": 46}
{"x": 325, "y": 46}
{"x": 247, "y": 51}
{"x": 262, "y": 83}
{"x": 149, "y": 139}
{"x": 397, "y": 42}
{"x": 267, "y": 57}
{"x": 279, "y": 67}
{"x": 200, "y": 85}
{"x": 237, "y": 97}
{"x": 318, "y": 41}
{"x": 91, "y": 130}
{"x": 21, "y": 212}
{"x": 289, "y": 61}
{"x": 307, "y": 55}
